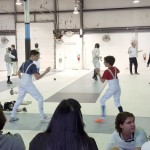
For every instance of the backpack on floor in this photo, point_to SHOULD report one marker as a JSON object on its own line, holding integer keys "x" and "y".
{"x": 9, "y": 105}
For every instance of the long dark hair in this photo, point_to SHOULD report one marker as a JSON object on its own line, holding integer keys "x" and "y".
{"x": 2, "y": 119}
{"x": 66, "y": 128}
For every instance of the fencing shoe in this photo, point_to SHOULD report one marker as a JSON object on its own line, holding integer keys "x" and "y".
{"x": 45, "y": 119}
{"x": 12, "y": 119}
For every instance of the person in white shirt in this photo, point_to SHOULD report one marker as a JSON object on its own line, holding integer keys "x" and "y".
{"x": 37, "y": 63}
{"x": 96, "y": 57}
{"x": 7, "y": 58}
{"x": 132, "y": 51}
{"x": 126, "y": 136}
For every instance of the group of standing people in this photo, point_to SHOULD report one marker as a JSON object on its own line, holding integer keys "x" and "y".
{"x": 11, "y": 60}
{"x": 132, "y": 51}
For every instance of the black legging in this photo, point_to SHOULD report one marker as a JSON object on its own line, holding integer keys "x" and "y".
{"x": 148, "y": 61}
{"x": 133, "y": 61}
{"x": 95, "y": 74}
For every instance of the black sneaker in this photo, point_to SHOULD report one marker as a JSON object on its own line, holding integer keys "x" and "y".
{"x": 9, "y": 82}
{"x": 95, "y": 78}
{"x": 137, "y": 73}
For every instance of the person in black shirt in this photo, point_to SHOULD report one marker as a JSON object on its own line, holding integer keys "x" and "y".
{"x": 148, "y": 62}
{"x": 7, "y": 58}
{"x": 14, "y": 61}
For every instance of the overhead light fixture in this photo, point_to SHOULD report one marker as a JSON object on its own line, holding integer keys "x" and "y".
{"x": 136, "y": 1}
{"x": 18, "y": 2}
{"x": 81, "y": 33}
{"x": 75, "y": 10}
{"x": 69, "y": 33}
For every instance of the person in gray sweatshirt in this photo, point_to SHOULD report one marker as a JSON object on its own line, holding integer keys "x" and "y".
{"x": 9, "y": 141}
{"x": 7, "y": 58}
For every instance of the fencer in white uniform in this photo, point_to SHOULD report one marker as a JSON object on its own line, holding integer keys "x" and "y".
{"x": 28, "y": 68}
{"x": 110, "y": 75}
{"x": 113, "y": 90}
{"x": 7, "y": 59}
{"x": 96, "y": 57}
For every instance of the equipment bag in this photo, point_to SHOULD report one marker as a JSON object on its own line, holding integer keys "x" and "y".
{"x": 9, "y": 105}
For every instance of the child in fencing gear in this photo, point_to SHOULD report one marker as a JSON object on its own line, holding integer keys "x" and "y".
{"x": 7, "y": 58}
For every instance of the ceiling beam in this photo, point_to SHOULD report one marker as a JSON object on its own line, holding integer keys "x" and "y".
{"x": 95, "y": 30}
{"x": 84, "y": 10}
{"x": 112, "y": 29}
{"x": 7, "y": 32}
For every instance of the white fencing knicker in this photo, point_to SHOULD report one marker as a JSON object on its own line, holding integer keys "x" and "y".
{"x": 9, "y": 69}
{"x": 15, "y": 67}
{"x": 113, "y": 90}
{"x": 26, "y": 86}
{"x": 96, "y": 63}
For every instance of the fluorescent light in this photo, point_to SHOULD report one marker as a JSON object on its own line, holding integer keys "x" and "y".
{"x": 81, "y": 31}
{"x": 18, "y": 2}
{"x": 69, "y": 33}
{"x": 75, "y": 10}
{"x": 136, "y": 1}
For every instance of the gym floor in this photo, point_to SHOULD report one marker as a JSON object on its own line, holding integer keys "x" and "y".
{"x": 79, "y": 84}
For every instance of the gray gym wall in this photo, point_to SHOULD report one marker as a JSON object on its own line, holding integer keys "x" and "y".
{"x": 42, "y": 27}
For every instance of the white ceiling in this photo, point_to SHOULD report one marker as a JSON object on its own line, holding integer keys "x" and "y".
{"x": 88, "y": 4}
{"x": 102, "y": 4}
{"x": 48, "y": 5}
